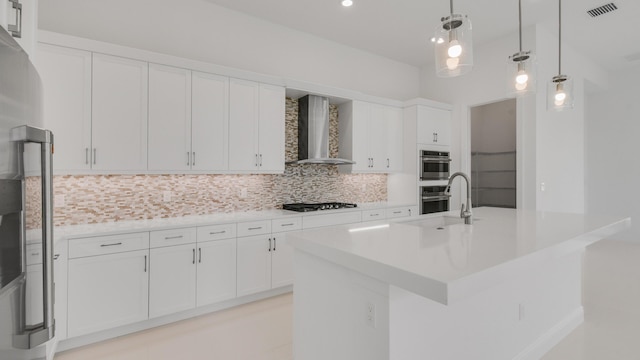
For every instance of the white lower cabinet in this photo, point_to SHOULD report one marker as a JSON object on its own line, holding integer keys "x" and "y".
{"x": 216, "y": 279}
{"x": 281, "y": 261}
{"x": 107, "y": 291}
{"x": 254, "y": 264}
{"x": 172, "y": 279}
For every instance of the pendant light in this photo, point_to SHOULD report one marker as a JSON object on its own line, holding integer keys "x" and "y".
{"x": 560, "y": 89}
{"x": 521, "y": 67}
{"x": 453, "y": 45}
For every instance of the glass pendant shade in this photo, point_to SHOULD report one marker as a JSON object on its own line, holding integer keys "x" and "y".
{"x": 453, "y": 46}
{"x": 560, "y": 93}
{"x": 521, "y": 73}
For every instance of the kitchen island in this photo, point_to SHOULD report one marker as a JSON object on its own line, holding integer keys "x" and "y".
{"x": 506, "y": 287}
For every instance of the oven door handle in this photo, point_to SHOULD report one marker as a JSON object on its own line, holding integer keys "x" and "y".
{"x": 435, "y": 159}
{"x": 436, "y": 198}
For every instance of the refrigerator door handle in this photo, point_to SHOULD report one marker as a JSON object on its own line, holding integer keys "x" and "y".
{"x": 38, "y": 334}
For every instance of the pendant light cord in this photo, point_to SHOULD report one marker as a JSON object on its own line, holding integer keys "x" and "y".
{"x": 520, "y": 23}
{"x": 559, "y": 37}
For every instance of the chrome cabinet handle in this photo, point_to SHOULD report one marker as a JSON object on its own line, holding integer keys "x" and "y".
{"x": 290, "y": 224}
{"x": 409, "y": 212}
{"x": 173, "y": 237}
{"x": 94, "y": 155}
{"x": 56, "y": 256}
{"x": 255, "y": 228}
{"x": 398, "y": 212}
{"x": 112, "y": 244}
{"x": 199, "y": 255}
{"x": 145, "y": 263}
{"x": 256, "y": 160}
{"x": 188, "y": 158}
{"x": 218, "y": 232}
{"x": 269, "y": 244}
{"x": 16, "y": 30}
{"x": 86, "y": 156}
{"x": 193, "y": 261}
{"x": 260, "y": 160}
{"x": 193, "y": 160}
{"x": 274, "y": 244}
{"x": 388, "y": 163}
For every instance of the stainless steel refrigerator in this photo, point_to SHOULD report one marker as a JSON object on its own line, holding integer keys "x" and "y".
{"x": 20, "y": 132}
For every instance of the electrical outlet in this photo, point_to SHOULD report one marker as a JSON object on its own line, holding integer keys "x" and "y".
{"x": 59, "y": 201}
{"x": 243, "y": 193}
{"x": 371, "y": 315}
{"x": 166, "y": 196}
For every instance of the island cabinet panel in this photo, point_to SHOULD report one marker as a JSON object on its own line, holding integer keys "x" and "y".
{"x": 66, "y": 84}
{"x": 107, "y": 291}
{"x": 281, "y": 261}
{"x": 254, "y": 264}
{"x": 216, "y": 279}
{"x": 169, "y": 118}
{"x": 172, "y": 280}
{"x": 119, "y": 114}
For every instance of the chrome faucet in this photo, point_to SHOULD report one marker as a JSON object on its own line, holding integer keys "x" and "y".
{"x": 465, "y": 212}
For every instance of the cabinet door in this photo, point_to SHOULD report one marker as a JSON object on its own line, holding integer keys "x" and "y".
{"x": 281, "y": 261}
{"x": 359, "y": 136}
{"x": 394, "y": 139}
{"x": 66, "y": 83}
{"x": 119, "y": 114}
{"x": 107, "y": 291}
{"x": 209, "y": 121}
{"x": 172, "y": 279}
{"x": 434, "y": 126}
{"x": 254, "y": 264}
{"x": 169, "y": 118}
{"x": 243, "y": 125}
{"x": 377, "y": 137}
{"x": 271, "y": 128}
{"x": 216, "y": 271}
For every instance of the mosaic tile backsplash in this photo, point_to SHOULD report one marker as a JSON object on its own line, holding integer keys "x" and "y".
{"x": 106, "y": 198}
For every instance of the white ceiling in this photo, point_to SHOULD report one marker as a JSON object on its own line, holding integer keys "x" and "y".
{"x": 401, "y": 29}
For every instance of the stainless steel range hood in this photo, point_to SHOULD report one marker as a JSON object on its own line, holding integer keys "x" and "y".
{"x": 313, "y": 132}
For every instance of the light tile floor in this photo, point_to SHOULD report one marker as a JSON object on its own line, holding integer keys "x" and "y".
{"x": 263, "y": 330}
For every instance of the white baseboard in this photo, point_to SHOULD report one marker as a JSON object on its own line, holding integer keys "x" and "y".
{"x": 551, "y": 338}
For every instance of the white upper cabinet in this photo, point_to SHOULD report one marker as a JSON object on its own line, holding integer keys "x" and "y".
{"x": 209, "y": 121}
{"x": 66, "y": 81}
{"x": 371, "y": 135}
{"x": 434, "y": 126}
{"x": 256, "y": 127}
{"x": 119, "y": 114}
{"x": 169, "y": 118}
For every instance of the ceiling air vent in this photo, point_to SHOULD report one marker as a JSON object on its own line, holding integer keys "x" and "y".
{"x": 601, "y": 10}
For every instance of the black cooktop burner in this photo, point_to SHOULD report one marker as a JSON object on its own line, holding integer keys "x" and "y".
{"x": 302, "y": 207}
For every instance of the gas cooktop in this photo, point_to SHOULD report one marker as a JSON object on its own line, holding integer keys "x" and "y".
{"x": 302, "y": 207}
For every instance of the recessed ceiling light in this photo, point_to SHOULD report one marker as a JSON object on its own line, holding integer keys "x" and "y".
{"x": 347, "y": 3}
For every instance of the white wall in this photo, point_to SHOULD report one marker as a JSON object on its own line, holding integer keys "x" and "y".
{"x": 199, "y": 30}
{"x": 612, "y": 149}
{"x": 550, "y": 144}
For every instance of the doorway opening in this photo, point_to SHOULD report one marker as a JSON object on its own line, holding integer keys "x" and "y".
{"x": 493, "y": 154}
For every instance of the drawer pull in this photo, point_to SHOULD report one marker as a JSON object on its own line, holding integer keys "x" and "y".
{"x": 114, "y": 244}
{"x": 173, "y": 237}
{"x": 291, "y": 224}
{"x": 372, "y": 215}
{"x": 35, "y": 254}
{"x": 217, "y": 232}
{"x": 255, "y": 228}
{"x": 397, "y": 212}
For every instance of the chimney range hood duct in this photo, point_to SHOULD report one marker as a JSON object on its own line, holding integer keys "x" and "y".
{"x": 313, "y": 132}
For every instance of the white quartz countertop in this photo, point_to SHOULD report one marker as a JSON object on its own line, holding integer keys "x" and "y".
{"x": 121, "y": 227}
{"x": 443, "y": 259}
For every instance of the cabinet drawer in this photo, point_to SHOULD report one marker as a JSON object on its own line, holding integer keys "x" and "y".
{"x": 216, "y": 232}
{"x": 101, "y": 245}
{"x": 254, "y": 228}
{"x": 172, "y": 237}
{"x": 371, "y": 215}
{"x": 288, "y": 224}
{"x": 314, "y": 221}
{"x": 398, "y": 212}
{"x": 34, "y": 254}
